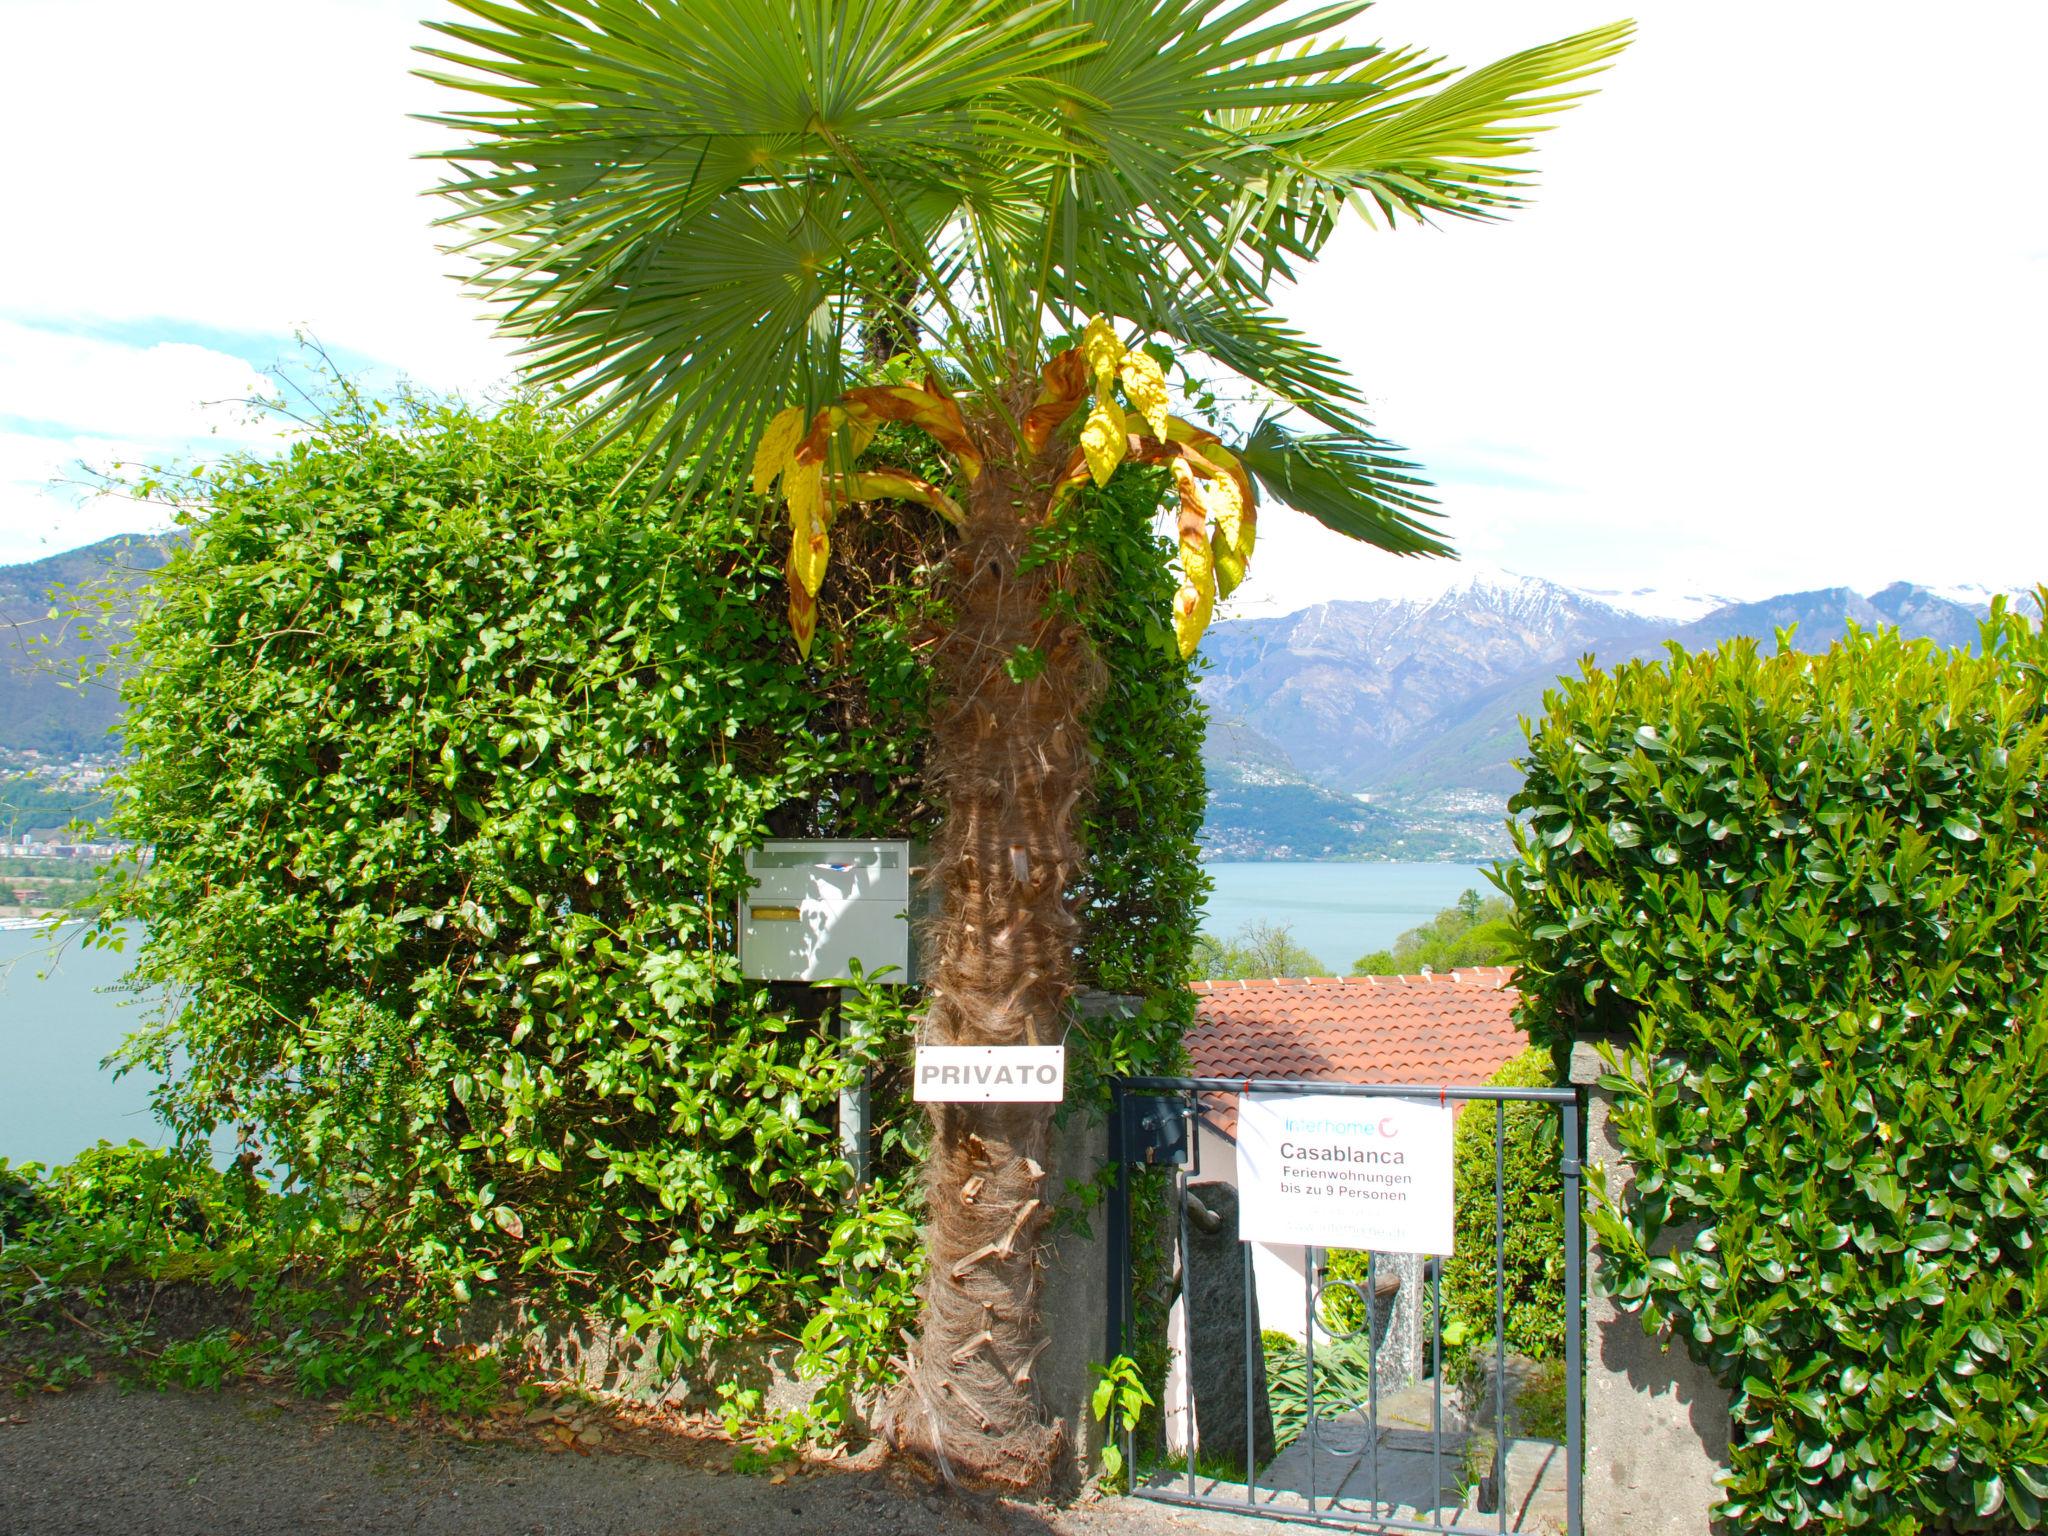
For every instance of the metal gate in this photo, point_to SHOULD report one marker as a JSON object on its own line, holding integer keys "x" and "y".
{"x": 1367, "y": 1469}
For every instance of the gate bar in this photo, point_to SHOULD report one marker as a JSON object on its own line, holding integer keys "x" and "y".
{"x": 1181, "y": 1085}
{"x": 1436, "y": 1403}
{"x": 1190, "y": 1429}
{"x": 1372, "y": 1367}
{"x": 1251, "y": 1342}
{"x": 1500, "y": 1315}
{"x": 1119, "y": 1226}
{"x": 1308, "y": 1344}
{"x": 1330, "y": 1517}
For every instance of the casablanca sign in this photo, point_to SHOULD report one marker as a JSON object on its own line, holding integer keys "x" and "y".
{"x": 1334, "y": 1171}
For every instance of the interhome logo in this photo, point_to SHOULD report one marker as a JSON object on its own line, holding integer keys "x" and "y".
{"x": 1385, "y": 1127}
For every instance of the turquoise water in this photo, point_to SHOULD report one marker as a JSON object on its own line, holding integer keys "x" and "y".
{"x": 1337, "y": 911}
{"x": 61, "y": 1012}
{"x": 60, "y": 1016}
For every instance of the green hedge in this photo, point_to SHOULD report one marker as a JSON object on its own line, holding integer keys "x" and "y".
{"x": 448, "y": 746}
{"x": 1807, "y": 896}
{"x": 1532, "y": 1192}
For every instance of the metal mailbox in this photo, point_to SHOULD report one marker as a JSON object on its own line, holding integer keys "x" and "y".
{"x": 816, "y": 906}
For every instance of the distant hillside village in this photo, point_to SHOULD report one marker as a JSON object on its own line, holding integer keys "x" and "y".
{"x": 47, "y": 858}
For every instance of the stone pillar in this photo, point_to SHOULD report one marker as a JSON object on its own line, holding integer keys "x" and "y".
{"x": 1656, "y": 1422}
{"x": 1217, "y": 1306}
{"x": 1074, "y": 1299}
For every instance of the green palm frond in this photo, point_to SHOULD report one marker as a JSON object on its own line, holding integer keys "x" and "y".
{"x": 1352, "y": 482}
{"x": 1425, "y": 142}
{"x": 689, "y": 211}
{"x": 1245, "y": 338}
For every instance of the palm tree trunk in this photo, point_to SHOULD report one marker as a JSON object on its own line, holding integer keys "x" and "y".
{"x": 1010, "y": 761}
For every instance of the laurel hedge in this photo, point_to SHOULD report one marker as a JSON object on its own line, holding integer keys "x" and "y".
{"x": 1803, "y": 902}
{"x": 449, "y": 735}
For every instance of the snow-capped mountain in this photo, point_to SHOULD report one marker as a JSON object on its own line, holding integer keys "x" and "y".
{"x": 1385, "y": 727}
{"x": 1345, "y": 687}
{"x": 1975, "y": 595}
{"x": 1683, "y": 605}
{"x": 1415, "y": 702}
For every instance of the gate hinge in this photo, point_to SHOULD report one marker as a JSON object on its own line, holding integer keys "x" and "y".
{"x": 1155, "y": 1131}
{"x": 1571, "y": 1167}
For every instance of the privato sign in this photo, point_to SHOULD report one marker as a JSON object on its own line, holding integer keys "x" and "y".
{"x": 1332, "y": 1171}
{"x": 991, "y": 1074}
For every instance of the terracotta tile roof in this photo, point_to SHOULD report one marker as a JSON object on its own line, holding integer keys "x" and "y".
{"x": 1455, "y": 1029}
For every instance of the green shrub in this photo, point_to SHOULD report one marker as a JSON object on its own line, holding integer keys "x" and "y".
{"x": 1809, "y": 896}
{"x": 1533, "y": 1199}
{"x": 1257, "y": 951}
{"x": 123, "y": 1210}
{"x": 92, "y": 1242}
{"x": 1343, "y": 1381}
{"x": 449, "y": 737}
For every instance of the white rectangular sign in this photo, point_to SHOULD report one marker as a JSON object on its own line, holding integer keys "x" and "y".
{"x": 991, "y": 1074}
{"x": 1332, "y": 1171}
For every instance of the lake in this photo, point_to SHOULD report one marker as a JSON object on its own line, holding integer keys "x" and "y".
{"x": 59, "y": 1018}
{"x": 1337, "y": 911}
{"x": 56, "y": 1028}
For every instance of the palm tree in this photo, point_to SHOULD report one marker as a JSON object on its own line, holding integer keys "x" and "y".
{"x": 706, "y": 219}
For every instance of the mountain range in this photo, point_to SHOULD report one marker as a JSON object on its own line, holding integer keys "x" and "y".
{"x": 1389, "y": 728}
{"x": 1372, "y": 729}
{"x": 45, "y": 706}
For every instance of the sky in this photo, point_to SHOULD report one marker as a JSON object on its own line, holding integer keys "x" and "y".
{"x": 1775, "y": 318}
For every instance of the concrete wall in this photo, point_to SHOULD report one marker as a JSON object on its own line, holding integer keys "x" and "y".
{"x": 1656, "y": 1423}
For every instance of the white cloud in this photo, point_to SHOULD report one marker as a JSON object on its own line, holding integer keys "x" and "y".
{"x": 1773, "y": 320}
{"x": 87, "y": 404}
{"x": 162, "y": 391}
{"x": 244, "y": 164}
{"x": 49, "y": 499}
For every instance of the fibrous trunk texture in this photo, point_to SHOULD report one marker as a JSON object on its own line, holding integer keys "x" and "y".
{"x": 1010, "y": 759}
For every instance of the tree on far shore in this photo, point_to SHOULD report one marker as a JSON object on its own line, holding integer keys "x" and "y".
{"x": 1472, "y": 931}
{"x": 1257, "y": 951}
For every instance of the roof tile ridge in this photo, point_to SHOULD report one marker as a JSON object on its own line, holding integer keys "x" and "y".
{"x": 1480, "y": 974}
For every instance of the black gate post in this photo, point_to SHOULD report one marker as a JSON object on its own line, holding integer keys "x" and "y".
{"x": 1119, "y": 1223}
{"x": 1574, "y": 1322}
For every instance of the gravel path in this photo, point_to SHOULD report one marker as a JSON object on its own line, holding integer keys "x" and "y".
{"x": 242, "y": 1462}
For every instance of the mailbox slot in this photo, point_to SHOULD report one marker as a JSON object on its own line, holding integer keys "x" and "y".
{"x": 814, "y": 907}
